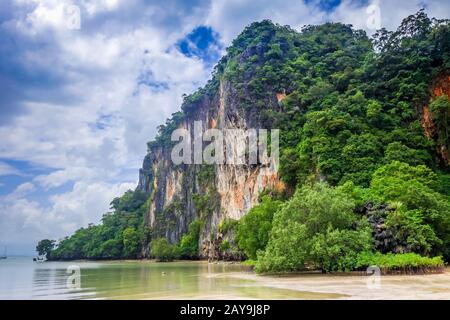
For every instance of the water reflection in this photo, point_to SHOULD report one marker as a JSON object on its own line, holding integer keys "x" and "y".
{"x": 24, "y": 279}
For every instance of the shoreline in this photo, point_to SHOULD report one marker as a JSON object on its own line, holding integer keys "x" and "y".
{"x": 362, "y": 273}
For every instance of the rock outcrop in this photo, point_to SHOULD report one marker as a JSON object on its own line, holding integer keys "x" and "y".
{"x": 180, "y": 194}
{"x": 439, "y": 87}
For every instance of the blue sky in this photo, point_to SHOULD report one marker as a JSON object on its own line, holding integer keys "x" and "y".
{"x": 326, "y": 5}
{"x": 203, "y": 43}
{"x": 79, "y": 104}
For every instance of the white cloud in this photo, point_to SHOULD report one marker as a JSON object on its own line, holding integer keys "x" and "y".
{"x": 24, "y": 222}
{"x": 229, "y": 17}
{"x": 95, "y": 7}
{"x": 86, "y": 203}
{"x": 60, "y": 177}
{"x": 23, "y": 189}
{"x": 391, "y": 12}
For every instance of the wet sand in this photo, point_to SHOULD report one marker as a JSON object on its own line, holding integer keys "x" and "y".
{"x": 390, "y": 287}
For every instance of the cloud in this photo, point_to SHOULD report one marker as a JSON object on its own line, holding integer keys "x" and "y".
{"x": 23, "y": 189}
{"x": 23, "y": 222}
{"x": 391, "y": 12}
{"x": 229, "y": 17}
{"x": 60, "y": 177}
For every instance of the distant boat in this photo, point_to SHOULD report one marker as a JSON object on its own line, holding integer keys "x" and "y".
{"x": 4, "y": 256}
{"x": 40, "y": 259}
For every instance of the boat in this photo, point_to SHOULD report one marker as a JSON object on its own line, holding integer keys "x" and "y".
{"x": 4, "y": 256}
{"x": 39, "y": 259}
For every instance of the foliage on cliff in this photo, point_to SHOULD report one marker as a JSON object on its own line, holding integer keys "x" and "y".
{"x": 352, "y": 117}
{"x": 322, "y": 227}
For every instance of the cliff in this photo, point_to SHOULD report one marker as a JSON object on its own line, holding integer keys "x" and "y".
{"x": 180, "y": 194}
{"x": 440, "y": 87}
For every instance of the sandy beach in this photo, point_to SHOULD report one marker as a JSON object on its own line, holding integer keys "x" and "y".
{"x": 390, "y": 287}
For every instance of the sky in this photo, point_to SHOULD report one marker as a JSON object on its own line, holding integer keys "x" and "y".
{"x": 84, "y": 85}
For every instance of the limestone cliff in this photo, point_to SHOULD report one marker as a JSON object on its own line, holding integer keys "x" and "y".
{"x": 180, "y": 194}
{"x": 439, "y": 87}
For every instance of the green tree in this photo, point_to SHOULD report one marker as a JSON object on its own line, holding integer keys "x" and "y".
{"x": 440, "y": 109}
{"x": 416, "y": 189}
{"x": 45, "y": 247}
{"x": 188, "y": 247}
{"x": 338, "y": 250}
{"x": 131, "y": 242}
{"x": 316, "y": 223}
{"x": 287, "y": 249}
{"x": 411, "y": 231}
{"x": 254, "y": 228}
{"x": 318, "y": 207}
{"x": 111, "y": 249}
{"x": 396, "y": 151}
{"x": 161, "y": 250}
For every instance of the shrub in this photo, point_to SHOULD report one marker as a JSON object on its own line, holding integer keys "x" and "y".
{"x": 314, "y": 229}
{"x": 411, "y": 231}
{"x": 161, "y": 250}
{"x": 414, "y": 187}
{"x": 337, "y": 250}
{"x": 317, "y": 207}
{"x": 131, "y": 242}
{"x": 286, "y": 251}
{"x": 249, "y": 263}
{"x": 188, "y": 247}
{"x": 407, "y": 262}
{"x": 225, "y": 245}
{"x": 254, "y": 228}
{"x": 227, "y": 225}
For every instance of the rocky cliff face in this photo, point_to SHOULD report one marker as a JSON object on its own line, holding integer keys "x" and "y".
{"x": 180, "y": 194}
{"x": 439, "y": 87}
